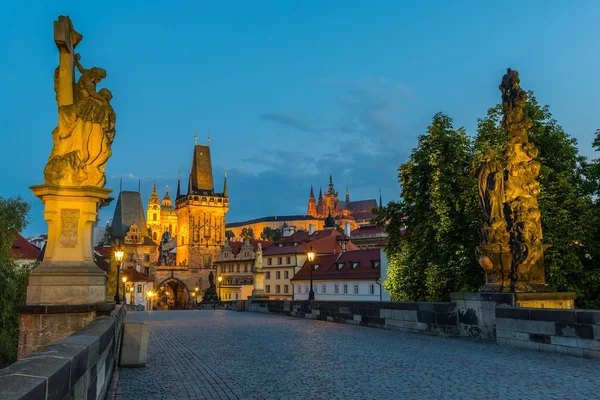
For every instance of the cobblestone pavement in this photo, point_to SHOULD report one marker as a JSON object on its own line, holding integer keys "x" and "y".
{"x": 233, "y": 355}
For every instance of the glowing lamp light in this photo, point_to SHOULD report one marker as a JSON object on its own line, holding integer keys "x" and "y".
{"x": 311, "y": 255}
{"x": 124, "y": 279}
{"x": 119, "y": 254}
{"x": 131, "y": 289}
{"x": 219, "y": 278}
{"x": 196, "y": 289}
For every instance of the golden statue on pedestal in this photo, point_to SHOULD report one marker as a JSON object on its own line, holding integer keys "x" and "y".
{"x": 86, "y": 119}
{"x": 511, "y": 249}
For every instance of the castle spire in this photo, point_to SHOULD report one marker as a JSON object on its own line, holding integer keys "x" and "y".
{"x": 139, "y": 186}
{"x": 311, "y": 192}
{"x": 154, "y": 189}
{"x": 208, "y": 139}
{"x": 380, "y": 202}
{"x": 225, "y": 185}
{"x": 178, "y": 186}
{"x": 320, "y": 194}
{"x": 330, "y": 188}
{"x": 195, "y": 138}
{"x": 347, "y": 194}
{"x": 190, "y": 183}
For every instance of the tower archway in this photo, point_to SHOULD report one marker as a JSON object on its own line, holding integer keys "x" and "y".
{"x": 173, "y": 294}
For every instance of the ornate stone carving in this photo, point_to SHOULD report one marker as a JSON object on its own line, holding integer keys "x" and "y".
{"x": 69, "y": 227}
{"x": 86, "y": 119}
{"x": 511, "y": 249}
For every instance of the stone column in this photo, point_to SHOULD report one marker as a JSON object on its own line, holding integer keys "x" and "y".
{"x": 259, "y": 285}
{"x": 67, "y": 290}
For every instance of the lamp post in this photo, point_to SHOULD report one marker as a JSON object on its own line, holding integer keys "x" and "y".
{"x": 124, "y": 279}
{"x": 131, "y": 297}
{"x": 196, "y": 295}
{"x": 150, "y": 294}
{"x": 311, "y": 258}
{"x": 119, "y": 259}
{"x": 219, "y": 279}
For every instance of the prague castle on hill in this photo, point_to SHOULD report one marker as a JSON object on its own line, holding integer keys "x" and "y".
{"x": 356, "y": 213}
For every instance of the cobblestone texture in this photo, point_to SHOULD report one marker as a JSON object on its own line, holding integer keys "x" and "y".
{"x": 242, "y": 355}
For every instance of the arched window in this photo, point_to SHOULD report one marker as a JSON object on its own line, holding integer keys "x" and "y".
{"x": 170, "y": 228}
{"x": 154, "y": 217}
{"x": 182, "y": 240}
{"x": 154, "y": 235}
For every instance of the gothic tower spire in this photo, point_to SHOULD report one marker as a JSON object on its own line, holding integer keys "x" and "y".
{"x": 312, "y": 204}
{"x": 347, "y": 194}
{"x": 225, "y": 185}
{"x": 178, "y": 195}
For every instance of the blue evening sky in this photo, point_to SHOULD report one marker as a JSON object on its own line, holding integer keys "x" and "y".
{"x": 289, "y": 90}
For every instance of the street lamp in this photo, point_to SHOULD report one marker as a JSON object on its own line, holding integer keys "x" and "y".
{"x": 150, "y": 294}
{"x": 119, "y": 259}
{"x": 131, "y": 297}
{"x": 219, "y": 279}
{"x": 311, "y": 258}
{"x": 196, "y": 295}
{"x": 124, "y": 279}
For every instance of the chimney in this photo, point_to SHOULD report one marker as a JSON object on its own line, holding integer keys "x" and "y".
{"x": 311, "y": 229}
{"x": 347, "y": 229}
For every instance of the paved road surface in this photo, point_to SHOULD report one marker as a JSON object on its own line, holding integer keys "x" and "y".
{"x": 243, "y": 355}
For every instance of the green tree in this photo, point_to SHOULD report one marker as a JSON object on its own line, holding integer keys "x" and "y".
{"x": 569, "y": 221}
{"x": 434, "y": 255}
{"x": 247, "y": 233}
{"x": 13, "y": 279}
{"x": 270, "y": 234}
{"x": 229, "y": 234}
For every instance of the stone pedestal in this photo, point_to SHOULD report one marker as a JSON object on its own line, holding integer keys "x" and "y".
{"x": 476, "y": 312}
{"x": 259, "y": 285}
{"x": 68, "y": 274}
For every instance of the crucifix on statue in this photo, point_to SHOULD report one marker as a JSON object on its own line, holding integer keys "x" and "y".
{"x": 66, "y": 39}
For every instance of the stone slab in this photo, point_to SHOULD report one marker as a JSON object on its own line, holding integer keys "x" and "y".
{"x": 134, "y": 348}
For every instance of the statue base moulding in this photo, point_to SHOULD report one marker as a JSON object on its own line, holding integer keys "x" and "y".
{"x": 496, "y": 260}
{"x": 68, "y": 274}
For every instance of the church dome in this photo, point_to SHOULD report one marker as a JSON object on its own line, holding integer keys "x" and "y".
{"x": 329, "y": 221}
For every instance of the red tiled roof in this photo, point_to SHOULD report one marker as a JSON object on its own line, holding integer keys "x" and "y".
{"x": 321, "y": 244}
{"x": 367, "y": 229}
{"x": 102, "y": 264}
{"x": 133, "y": 275}
{"x": 105, "y": 252}
{"x": 237, "y": 246}
{"x": 24, "y": 250}
{"x": 363, "y": 216}
{"x": 328, "y": 266}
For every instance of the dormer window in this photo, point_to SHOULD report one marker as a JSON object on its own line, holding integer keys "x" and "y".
{"x": 340, "y": 265}
{"x": 354, "y": 265}
{"x": 226, "y": 255}
{"x": 316, "y": 266}
{"x": 375, "y": 264}
{"x": 280, "y": 244}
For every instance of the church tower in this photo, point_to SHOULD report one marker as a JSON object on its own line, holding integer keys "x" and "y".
{"x": 200, "y": 214}
{"x": 153, "y": 215}
{"x": 312, "y": 204}
{"x": 330, "y": 199}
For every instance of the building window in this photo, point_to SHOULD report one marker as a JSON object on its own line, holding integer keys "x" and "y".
{"x": 268, "y": 288}
{"x": 230, "y": 267}
{"x": 306, "y": 288}
{"x": 345, "y": 289}
{"x": 371, "y": 289}
{"x": 245, "y": 267}
{"x": 238, "y": 268}
{"x": 336, "y": 289}
{"x": 279, "y": 262}
{"x": 356, "y": 288}
{"x": 146, "y": 271}
{"x": 170, "y": 228}
{"x": 277, "y": 275}
{"x": 147, "y": 257}
{"x": 288, "y": 260}
{"x": 340, "y": 265}
{"x": 226, "y": 255}
{"x": 315, "y": 267}
{"x": 153, "y": 235}
{"x": 285, "y": 289}
{"x": 182, "y": 240}
{"x": 154, "y": 217}
{"x": 139, "y": 290}
{"x": 269, "y": 261}
{"x": 277, "y": 289}
{"x": 223, "y": 268}
{"x": 286, "y": 274}
{"x": 354, "y": 265}
{"x": 268, "y": 275}
{"x": 298, "y": 289}
{"x": 324, "y": 288}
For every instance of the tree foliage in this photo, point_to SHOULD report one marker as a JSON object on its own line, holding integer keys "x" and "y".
{"x": 270, "y": 234}
{"x": 13, "y": 279}
{"x": 229, "y": 234}
{"x": 247, "y": 233}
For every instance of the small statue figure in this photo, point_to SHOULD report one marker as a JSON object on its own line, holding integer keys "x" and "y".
{"x": 258, "y": 259}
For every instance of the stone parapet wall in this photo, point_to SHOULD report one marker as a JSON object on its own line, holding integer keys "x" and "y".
{"x": 79, "y": 366}
{"x": 433, "y": 318}
{"x": 574, "y": 332}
